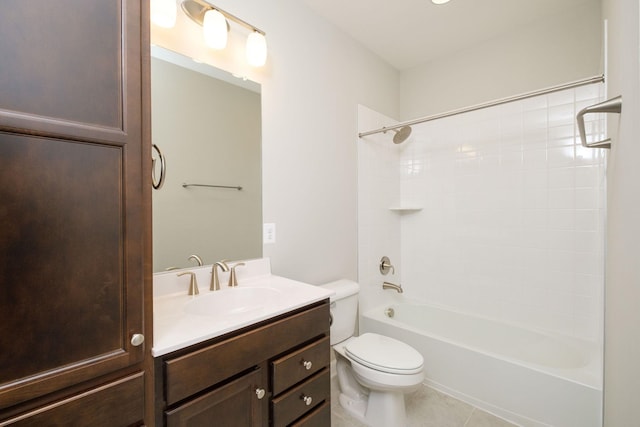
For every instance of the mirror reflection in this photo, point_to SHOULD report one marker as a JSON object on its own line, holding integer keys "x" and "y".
{"x": 208, "y": 125}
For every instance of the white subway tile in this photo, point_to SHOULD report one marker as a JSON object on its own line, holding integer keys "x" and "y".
{"x": 512, "y": 221}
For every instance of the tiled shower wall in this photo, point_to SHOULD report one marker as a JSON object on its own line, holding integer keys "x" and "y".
{"x": 511, "y": 224}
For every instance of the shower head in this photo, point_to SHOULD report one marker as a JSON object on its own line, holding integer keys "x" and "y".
{"x": 401, "y": 134}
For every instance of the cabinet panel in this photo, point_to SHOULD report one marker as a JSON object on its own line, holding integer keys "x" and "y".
{"x": 293, "y": 404}
{"x": 119, "y": 403}
{"x": 63, "y": 286}
{"x": 69, "y": 67}
{"x": 68, "y": 207}
{"x": 296, "y": 366}
{"x": 235, "y": 404}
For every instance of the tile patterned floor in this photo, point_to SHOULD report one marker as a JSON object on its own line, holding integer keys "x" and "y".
{"x": 425, "y": 408}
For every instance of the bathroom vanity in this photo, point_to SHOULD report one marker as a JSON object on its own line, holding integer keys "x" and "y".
{"x": 251, "y": 361}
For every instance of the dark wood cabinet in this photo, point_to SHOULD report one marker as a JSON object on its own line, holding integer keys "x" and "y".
{"x": 237, "y": 403}
{"x": 75, "y": 199}
{"x": 273, "y": 373}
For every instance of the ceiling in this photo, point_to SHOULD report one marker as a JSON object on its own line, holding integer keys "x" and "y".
{"x": 406, "y": 33}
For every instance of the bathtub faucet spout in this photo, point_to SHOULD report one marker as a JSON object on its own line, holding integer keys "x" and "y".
{"x": 397, "y": 288}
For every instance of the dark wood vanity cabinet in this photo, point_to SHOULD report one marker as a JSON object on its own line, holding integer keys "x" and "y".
{"x": 274, "y": 373}
{"x": 75, "y": 196}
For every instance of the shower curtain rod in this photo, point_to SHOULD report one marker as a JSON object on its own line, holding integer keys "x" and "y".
{"x": 577, "y": 83}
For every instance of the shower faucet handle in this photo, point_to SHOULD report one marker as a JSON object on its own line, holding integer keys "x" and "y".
{"x": 385, "y": 266}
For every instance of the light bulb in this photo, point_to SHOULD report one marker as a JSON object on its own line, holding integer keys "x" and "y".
{"x": 256, "y": 49}
{"x": 214, "y": 28}
{"x": 163, "y": 13}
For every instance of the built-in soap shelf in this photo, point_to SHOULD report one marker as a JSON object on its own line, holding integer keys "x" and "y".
{"x": 405, "y": 208}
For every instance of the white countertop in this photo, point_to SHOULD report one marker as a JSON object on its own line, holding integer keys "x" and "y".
{"x": 174, "y": 328}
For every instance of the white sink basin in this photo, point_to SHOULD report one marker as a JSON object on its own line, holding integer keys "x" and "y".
{"x": 181, "y": 320}
{"x": 232, "y": 302}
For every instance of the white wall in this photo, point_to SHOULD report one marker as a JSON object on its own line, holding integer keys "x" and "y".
{"x": 622, "y": 289}
{"x": 314, "y": 79}
{"x": 557, "y": 50}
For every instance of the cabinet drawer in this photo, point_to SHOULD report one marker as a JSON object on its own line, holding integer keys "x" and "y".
{"x": 119, "y": 403}
{"x": 320, "y": 417}
{"x": 292, "y": 405}
{"x": 193, "y": 372}
{"x": 300, "y": 364}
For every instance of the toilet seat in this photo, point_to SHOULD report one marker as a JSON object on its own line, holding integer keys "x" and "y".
{"x": 384, "y": 354}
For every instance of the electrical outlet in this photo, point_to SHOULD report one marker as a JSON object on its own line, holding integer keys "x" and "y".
{"x": 268, "y": 233}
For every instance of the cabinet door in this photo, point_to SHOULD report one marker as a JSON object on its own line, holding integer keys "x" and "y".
{"x": 235, "y": 404}
{"x": 72, "y": 215}
{"x": 118, "y": 403}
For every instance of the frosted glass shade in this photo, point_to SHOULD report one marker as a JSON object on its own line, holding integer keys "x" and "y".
{"x": 163, "y": 13}
{"x": 256, "y": 49}
{"x": 214, "y": 28}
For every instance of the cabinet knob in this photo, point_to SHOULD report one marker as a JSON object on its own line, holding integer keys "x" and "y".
{"x": 260, "y": 393}
{"x": 307, "y": 364}
{"x": 137, "y": 339}
{"x": 306, "y": 399}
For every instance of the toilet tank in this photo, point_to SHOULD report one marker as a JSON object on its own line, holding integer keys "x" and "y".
{"x": 344, "y": 309}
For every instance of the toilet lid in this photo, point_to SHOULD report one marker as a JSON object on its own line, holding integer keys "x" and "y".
{"x": 384, "y": 354}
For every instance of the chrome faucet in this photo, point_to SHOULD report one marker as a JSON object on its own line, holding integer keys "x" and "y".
{"x": 233, "y": 280}
{"x": 193, "y": 283}
{"x": 215, "y": 282}
{"x": 397, "y": 288}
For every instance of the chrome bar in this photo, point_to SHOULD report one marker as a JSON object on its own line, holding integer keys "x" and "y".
{"x": 185, "y": 185}
{"x": 577, "y": 83}
{"x": 613, "y": 105}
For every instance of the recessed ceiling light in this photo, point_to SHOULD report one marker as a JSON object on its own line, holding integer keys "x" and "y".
{"x": 439, "y": 1}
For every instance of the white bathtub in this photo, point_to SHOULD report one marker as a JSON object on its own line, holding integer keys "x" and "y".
{"x": 526, "y": 377}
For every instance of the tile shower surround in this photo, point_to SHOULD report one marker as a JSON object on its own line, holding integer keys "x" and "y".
{"x": 512, "y": 219}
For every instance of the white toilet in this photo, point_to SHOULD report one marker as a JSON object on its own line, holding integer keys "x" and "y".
{"x": 374, "y": 371}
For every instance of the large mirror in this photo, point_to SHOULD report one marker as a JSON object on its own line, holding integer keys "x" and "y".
{"x": 207, "y": 124}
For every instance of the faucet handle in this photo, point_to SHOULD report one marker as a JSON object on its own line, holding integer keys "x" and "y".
{"x": 385, "y": 266}
{"x": 233, "y": 279}
{"x": 215, "y": 282}
{"x": 193, "y": 283}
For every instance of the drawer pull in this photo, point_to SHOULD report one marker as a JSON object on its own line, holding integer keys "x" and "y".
{"x": 306, "y": 399}
{"x": 307, "y": 364}
{"x": 260, "y": 393}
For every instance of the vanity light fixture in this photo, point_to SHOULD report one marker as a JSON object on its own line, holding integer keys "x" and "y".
{"x": 439, "y": 1}
{"x": 163, "y": 13}
{"x": 256, "y": 49}
{"x": 215, "y": 23}
{"x": 214, "y": 29}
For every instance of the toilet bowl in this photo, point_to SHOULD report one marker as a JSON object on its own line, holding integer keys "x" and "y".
{"x": 374, "y": 371}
